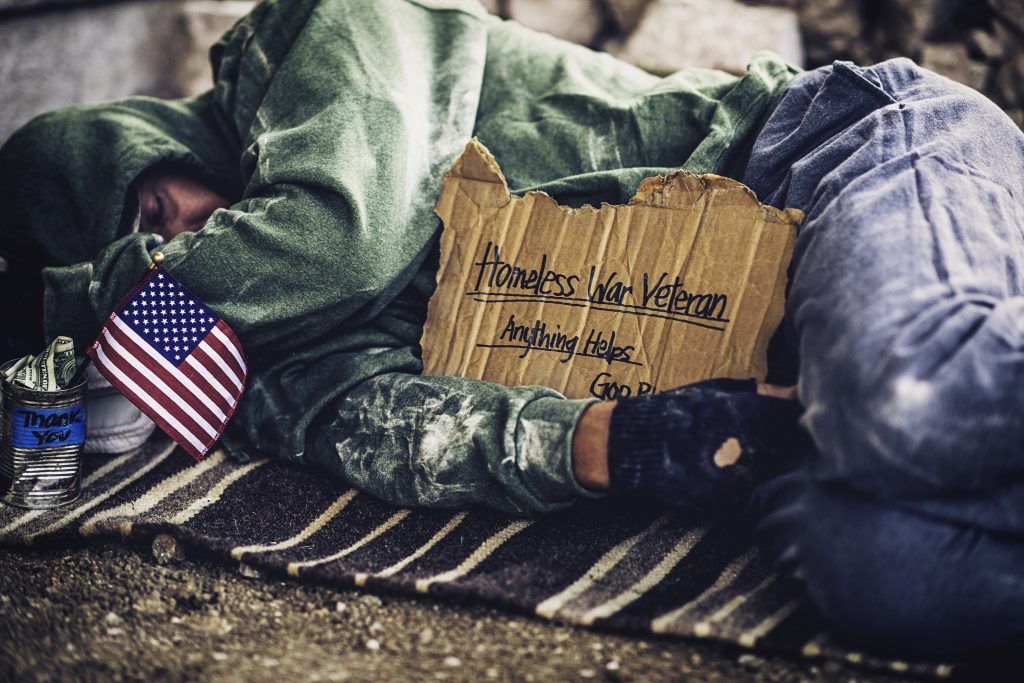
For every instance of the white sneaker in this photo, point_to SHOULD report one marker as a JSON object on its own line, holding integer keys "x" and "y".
{"x": 114, "y": 424}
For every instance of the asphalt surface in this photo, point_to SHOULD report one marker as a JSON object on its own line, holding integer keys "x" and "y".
{"x": 114, "y": 613}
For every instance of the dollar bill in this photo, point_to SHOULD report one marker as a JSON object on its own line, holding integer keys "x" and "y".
{"x": 11, "y": 371}
{"x": 51, "y": 370}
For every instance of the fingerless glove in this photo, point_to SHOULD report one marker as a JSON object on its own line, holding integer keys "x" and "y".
{"x": 701, "y": 448}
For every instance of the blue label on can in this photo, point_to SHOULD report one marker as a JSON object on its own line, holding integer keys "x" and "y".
{"x": 47, "y": 428}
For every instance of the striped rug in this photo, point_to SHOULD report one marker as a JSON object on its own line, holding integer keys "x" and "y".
{"x": 590, "y": 565}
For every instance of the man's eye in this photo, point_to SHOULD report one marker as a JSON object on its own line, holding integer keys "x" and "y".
{"x": 158, "y": 208}
{"x": 152, "y": 211}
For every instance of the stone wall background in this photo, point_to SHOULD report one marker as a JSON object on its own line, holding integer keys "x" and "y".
{"x": 57, "y": 52}
{"x": 977, "y": 42}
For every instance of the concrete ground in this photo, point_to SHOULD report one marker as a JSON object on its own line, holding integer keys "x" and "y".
{"x": 112, "y": 613}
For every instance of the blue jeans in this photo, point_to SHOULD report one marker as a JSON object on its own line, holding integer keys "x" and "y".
{"x": 906, "y": 315}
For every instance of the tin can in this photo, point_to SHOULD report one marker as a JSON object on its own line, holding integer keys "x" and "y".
{"x": 42, "y": 438}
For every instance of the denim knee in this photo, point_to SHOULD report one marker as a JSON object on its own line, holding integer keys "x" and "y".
{"x": 908, "y": 280}
{"x": 891, "y": 580}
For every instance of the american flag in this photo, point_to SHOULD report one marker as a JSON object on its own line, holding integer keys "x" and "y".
{"x": 175, "y": 359}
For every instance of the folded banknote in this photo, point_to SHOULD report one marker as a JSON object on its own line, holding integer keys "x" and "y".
{"x": 51, "y": 370}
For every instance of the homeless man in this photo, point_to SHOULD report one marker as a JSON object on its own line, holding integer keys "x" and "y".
{"x": 312, "y": 168}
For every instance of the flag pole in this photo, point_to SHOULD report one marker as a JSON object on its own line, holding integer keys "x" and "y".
{"x": 157, "y": 260}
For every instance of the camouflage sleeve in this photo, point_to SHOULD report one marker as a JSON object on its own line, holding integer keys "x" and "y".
{"x": 452, "y": 442}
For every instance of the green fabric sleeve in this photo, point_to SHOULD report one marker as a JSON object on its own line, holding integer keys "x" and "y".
{"x": 78, "y": 298}
{"x": 338, "y": 119}
{"x": 346, "y": 145}
{"x": 452, "y": 442}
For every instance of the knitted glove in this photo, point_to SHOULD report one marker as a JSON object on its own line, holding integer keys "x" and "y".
{"x": 702, "y": 448}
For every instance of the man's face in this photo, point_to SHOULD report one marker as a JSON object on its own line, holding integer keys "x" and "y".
{"x": 171, "y": 201}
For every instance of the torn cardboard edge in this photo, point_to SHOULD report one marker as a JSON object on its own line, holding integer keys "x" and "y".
{"x": 477, "y": 163}
{"x": 589, "y": 301}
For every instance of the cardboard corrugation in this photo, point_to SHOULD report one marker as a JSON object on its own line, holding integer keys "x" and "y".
{"x": 729, "y": 252}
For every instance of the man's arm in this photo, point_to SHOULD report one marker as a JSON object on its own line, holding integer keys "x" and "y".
{"x": 590, "y": 446}
{"x": 590, "y": 442}
{"x": 344, "y": 124}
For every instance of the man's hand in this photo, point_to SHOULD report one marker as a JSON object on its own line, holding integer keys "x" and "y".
{"x": 590, "y": 441}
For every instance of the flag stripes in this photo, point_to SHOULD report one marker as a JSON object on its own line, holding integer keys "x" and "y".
{"x": 169, "y": 355}
{"x": 628, "y": 574}
{"x": 166, "y": 420}
{"x": 227, "y": 356}
{"x": 214, "y": 378}
{"x": 153, "y": 361}
{"x": 157, "y": 380}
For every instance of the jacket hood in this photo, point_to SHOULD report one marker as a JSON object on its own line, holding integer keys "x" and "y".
{"x": 73, "y": 167}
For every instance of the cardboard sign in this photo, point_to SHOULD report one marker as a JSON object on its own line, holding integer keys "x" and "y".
{"x": 686, "y": 282}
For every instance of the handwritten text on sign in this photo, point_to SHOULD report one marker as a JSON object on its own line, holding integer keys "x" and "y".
{"x": 684, "y": 283}
{"x": 39, "y": 427}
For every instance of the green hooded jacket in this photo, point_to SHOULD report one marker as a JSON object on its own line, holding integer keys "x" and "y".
{"x": 331, "y": 123}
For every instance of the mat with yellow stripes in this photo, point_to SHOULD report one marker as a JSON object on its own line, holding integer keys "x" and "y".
{"x": 589, "y": 565}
